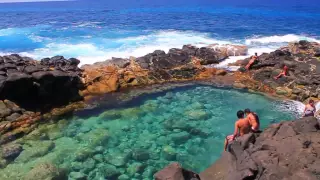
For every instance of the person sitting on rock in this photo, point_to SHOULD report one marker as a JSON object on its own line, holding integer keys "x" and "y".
{"x": 252, "y": 61}
{"x": 253, "y": 119}
{"x": 309, "y": 109}
{"x": 242, "y": 127}
{"x": 283, "y": 73}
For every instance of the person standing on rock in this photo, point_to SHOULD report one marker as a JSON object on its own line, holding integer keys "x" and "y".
{"x": 242, "y": 127}
{"x": 253, "y": 119}
{"x": 309, "y": 109}
{"x": 252, "y": 61}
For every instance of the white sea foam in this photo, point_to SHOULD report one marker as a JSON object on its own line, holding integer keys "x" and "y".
{"x": 291, "y": 106}
{"x": 261, "y": 45}
{"x": 91, "y": 52}
{"x": 279, "y": 39}
{"x": 87, "y": 24}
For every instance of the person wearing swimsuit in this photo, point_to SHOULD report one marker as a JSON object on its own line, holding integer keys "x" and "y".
{"x": 253, "y": 119}
{"x": 310, "y": 109}
{"x": 242, "y": 127}
{"x": 283, "y": 73}
{"x": 252, "y": 61}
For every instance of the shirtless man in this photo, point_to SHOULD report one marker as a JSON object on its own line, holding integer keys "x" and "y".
{"x": 242, "y": 127}
{"x": 253, "y": 120}
{"x": 252, "y": 60}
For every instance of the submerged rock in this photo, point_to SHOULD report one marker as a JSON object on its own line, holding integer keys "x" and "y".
{"x": 76, "y": 166}
{"x": 180, "y": 137}
{"x": 77, "y": 176}
{"x": 34, "y": 149}
{"x": 119, "y": 159}
{"x": 95, "y": 137}
{"x": 123, "y": 177}
{"x": 83, "y": 153}
{"x": 104, "y": 171}
{"x": 11, "y": 151}
{"x": 46, "y": 172}
{"x": 169, "y": 153}
{"x": 197, "y": 114}
{"x": 88, "y": 165}
{"x": 140, "y": 154}
{"x": 135, "y": 168}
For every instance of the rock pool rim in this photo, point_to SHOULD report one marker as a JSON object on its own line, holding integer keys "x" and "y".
{"x": 135, "y": 96}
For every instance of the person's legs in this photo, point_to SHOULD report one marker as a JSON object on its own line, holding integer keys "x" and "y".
{"x": 279, "y": 76}
{"x": 227, "y": 142}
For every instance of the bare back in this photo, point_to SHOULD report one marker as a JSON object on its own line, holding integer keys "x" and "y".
{"x": 244, "y": 126}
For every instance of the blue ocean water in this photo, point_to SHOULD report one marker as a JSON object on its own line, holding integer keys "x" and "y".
{"x": 97, "y": 30}
{"x": 186, "y": 125}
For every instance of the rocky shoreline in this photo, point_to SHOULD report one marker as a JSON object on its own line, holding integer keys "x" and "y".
{"x": 288, "y": 150}
{"x": 33, "y": 92}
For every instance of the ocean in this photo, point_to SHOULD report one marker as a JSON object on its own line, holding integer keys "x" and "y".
{"x": 98, "y": 30}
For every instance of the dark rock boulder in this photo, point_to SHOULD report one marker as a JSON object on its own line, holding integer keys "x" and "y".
{"x": 31, "y": 69}
{"x": 7, "y": 66}
{"x": 317, "y": 52}
{"x": 12, "y": 117}
{"x": 179, "y": 57}
{"x": 209, "y": 56}
{"x": 4, "y": 110}
{"x": 175, "y": 172}
{"x": 17, "y": 86}
{"x": 189, "y": 49}
{"x": 119, "y": 62}
{"x": 52, "y": 82}
{"x": 11, "y": 151}
{"x": 74, "y": 61}
{"x": 161, "y": 60}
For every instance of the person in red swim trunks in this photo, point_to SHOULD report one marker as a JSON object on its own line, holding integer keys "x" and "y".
{"x": 242, "y": 127}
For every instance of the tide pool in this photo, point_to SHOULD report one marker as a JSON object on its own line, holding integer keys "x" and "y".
{"x": 186, "y": 124}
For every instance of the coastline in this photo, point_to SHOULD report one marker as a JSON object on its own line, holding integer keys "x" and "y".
{"x": 154, "y": 70}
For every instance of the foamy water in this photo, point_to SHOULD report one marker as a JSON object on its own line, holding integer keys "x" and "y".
{"x": 91, "y": 50}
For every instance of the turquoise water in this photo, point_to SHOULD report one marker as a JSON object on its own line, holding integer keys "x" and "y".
{"x": 187, "y": 125}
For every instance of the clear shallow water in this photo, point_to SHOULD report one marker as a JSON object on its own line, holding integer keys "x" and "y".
{"x": 97, "y": 30}
{"x": 187, "y": 125}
